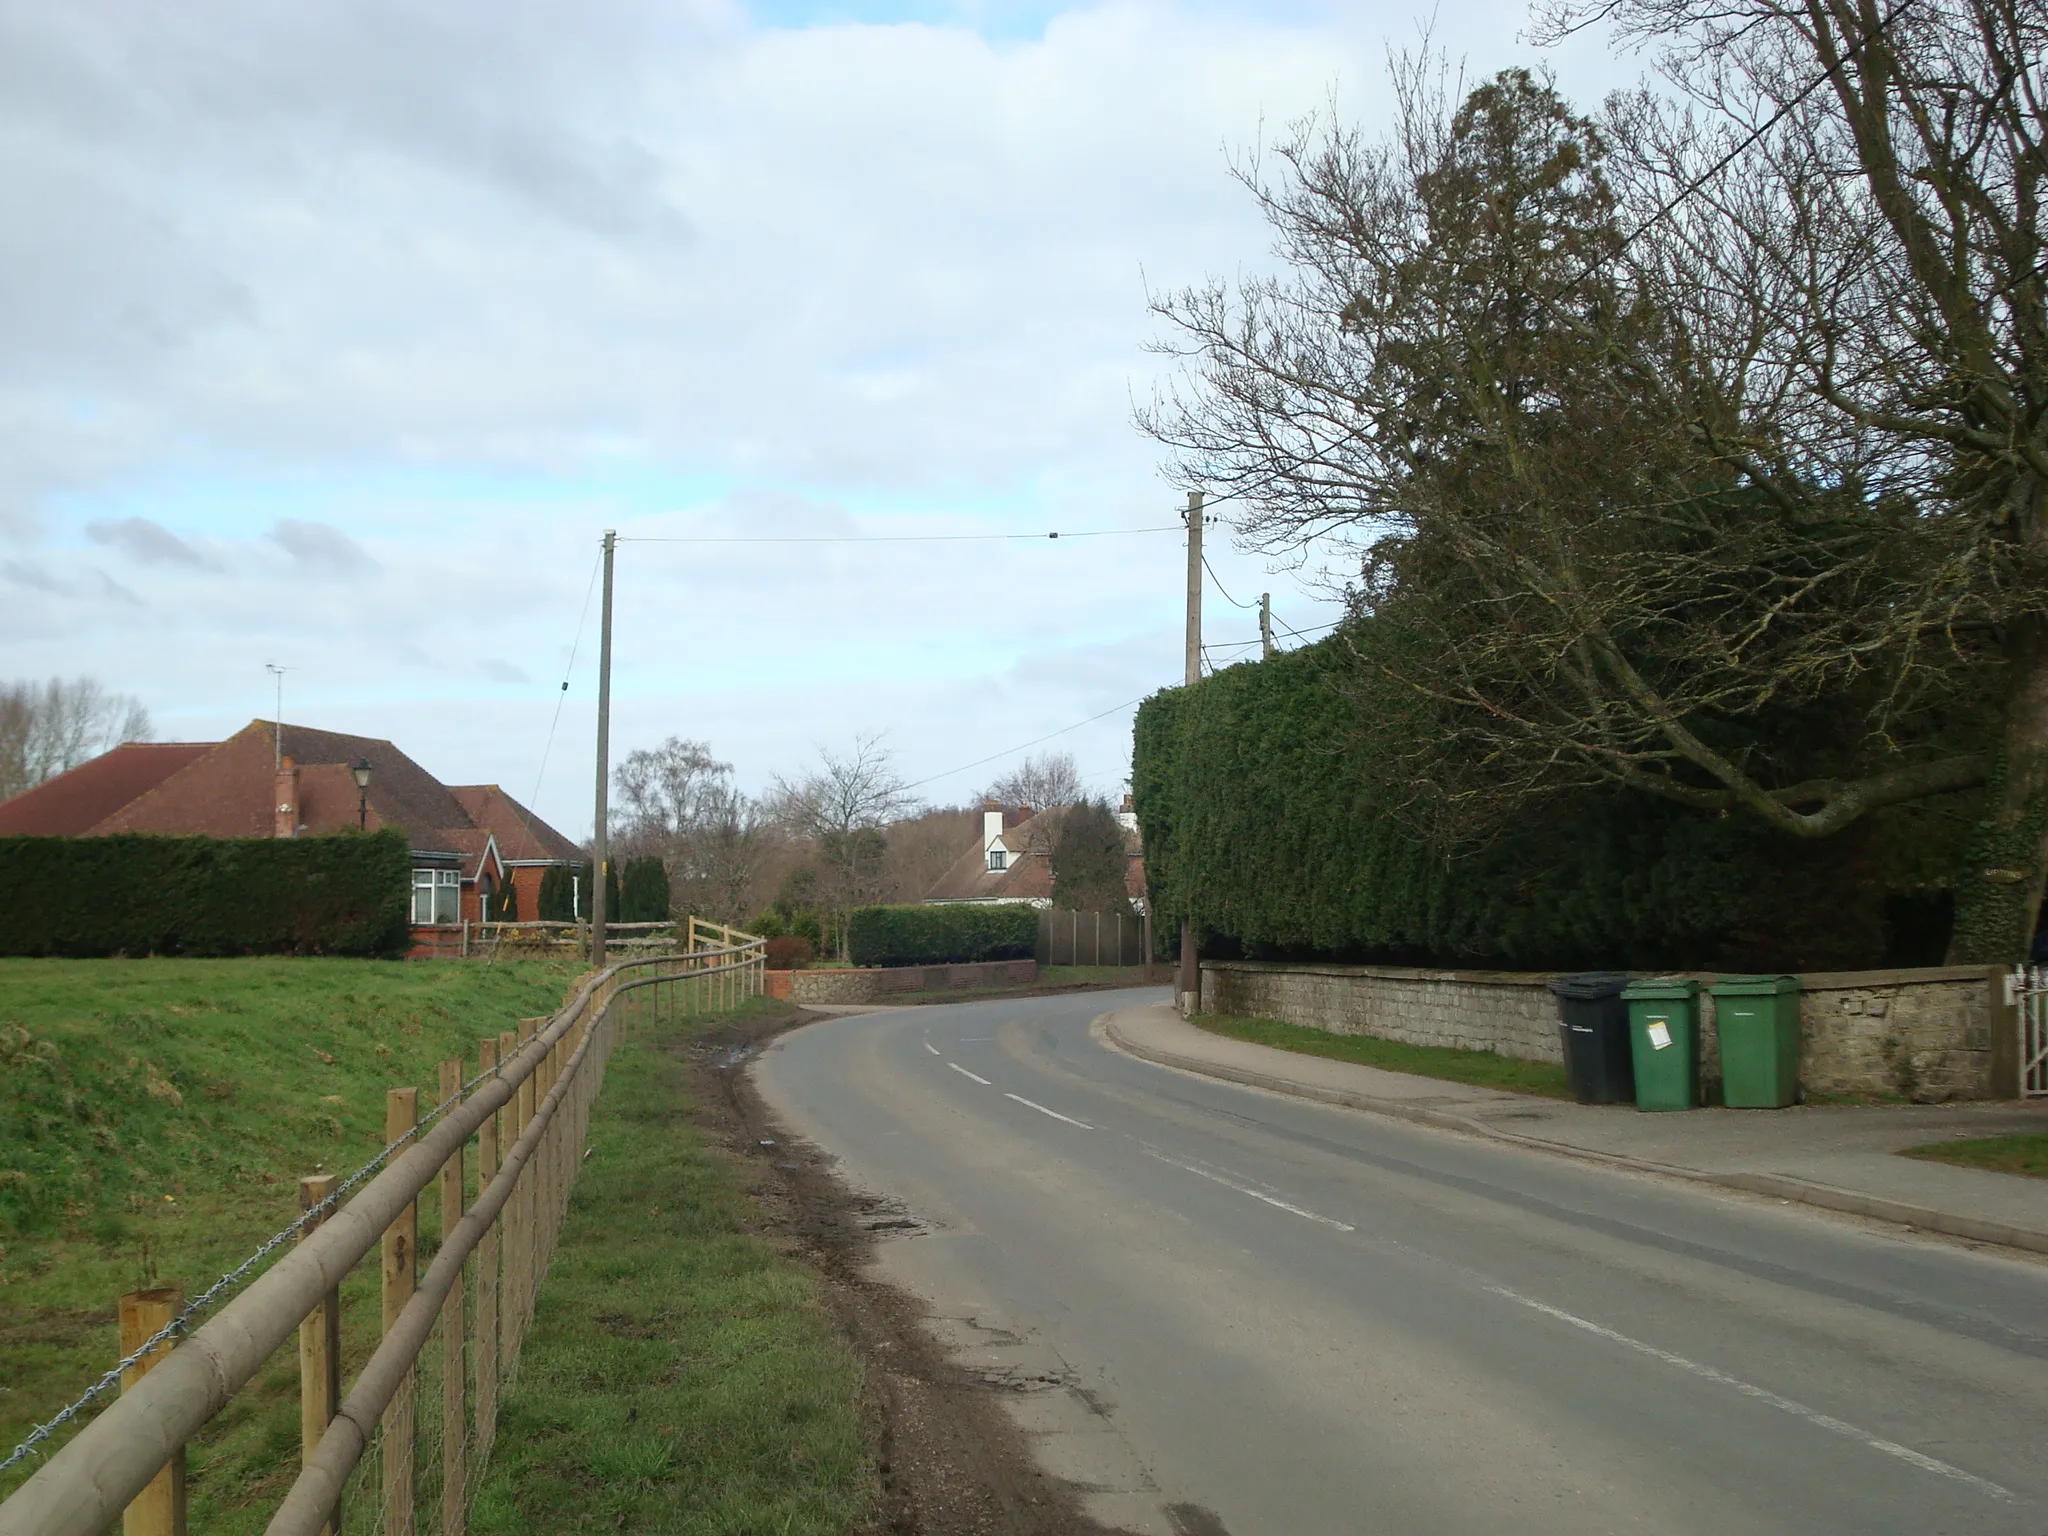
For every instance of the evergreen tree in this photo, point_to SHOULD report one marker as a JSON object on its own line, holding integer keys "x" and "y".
{"x": 1089, "y": 861}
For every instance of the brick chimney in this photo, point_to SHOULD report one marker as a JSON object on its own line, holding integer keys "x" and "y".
{"x": 285, "y": 797}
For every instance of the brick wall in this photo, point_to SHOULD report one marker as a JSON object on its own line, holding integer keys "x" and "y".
{"x": 1925, "y": 1035}
{"x": 871, "y": 985}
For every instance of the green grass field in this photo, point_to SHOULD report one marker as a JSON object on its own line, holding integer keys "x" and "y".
{"x": 681, "y": 1375}
{"x": 155, "y": 1116}
{"x": 1481, "y": 1069}
{"x": 2024, "y": 1154}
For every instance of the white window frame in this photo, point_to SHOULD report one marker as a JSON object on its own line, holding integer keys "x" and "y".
{"x": 442, "y": 889}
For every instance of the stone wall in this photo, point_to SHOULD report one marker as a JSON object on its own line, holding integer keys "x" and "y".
{"x": 1925, "y": 1035}
{"x": 874, "y": 984}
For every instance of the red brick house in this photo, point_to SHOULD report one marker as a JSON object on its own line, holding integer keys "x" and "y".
{"x": 467, "y": 840}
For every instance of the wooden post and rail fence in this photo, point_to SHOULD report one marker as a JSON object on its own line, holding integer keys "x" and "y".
{"x": 524, "y": 1112}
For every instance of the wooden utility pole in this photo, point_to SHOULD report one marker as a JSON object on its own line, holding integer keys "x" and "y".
{"x": 599, "y": 842}
{"x": 1187, "y": 985}
{"x": 1265, "y": 626}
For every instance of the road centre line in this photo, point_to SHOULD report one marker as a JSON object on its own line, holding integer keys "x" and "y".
{"x": 965, "y": 1073}
{"x": 1203, "y": 1173}
{"x": 1044, "y": 1111}
{"x": 1763, "y": 1395}
{"x": 932, "y": 1048}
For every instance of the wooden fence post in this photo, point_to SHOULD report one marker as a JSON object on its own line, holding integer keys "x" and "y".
{"x": 508, "y": 1262}
{"x": 523, "y": 1197}
{"x": 319, "y": 1340}
{"x": 159, "y": 1510}
{"x": 486, "y": 1330}
{"x": 454, "y": 1415}
{"x": 401, "y": 1265}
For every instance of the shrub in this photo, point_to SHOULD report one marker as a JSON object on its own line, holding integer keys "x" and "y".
{"x": 345, "y": 893}
{"x": 643, "y": 892}
{"x": 558, "y": 893}
{"x": 954, "y": 934}
{"x": 788, "y": 951}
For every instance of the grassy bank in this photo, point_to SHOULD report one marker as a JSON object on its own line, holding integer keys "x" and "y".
{"x": 155, "y": 1116}
{"x": 681, "y": 1375}
{"x": 2024, "y": 1154}
{"x": 1480, "y": 1069}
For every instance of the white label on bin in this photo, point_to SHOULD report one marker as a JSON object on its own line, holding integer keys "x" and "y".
{"x": 1660, "y": 1033}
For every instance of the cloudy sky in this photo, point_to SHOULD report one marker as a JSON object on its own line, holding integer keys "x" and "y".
{"x": 336, "y": 334}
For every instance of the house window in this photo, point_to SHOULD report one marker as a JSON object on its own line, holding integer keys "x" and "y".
{"x": 436, "y": 897}
{"x": 998, "y": 858}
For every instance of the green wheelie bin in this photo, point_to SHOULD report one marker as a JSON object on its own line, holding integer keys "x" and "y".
{"x": 1664, "y": 1037}
{"x": 1757, "y": 1018}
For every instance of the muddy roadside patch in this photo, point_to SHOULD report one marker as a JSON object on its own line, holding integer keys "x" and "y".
{"x": 950, "y": 1460}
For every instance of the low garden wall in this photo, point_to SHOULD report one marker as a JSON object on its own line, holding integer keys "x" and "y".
{"x": 875, "y": 984}
{"x": 1925, "y": 1035}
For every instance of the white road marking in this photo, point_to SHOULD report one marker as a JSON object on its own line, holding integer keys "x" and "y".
{"x": 1763, "y": 1395}
{"x": 1044, "y": 1111}
{"x": 965, "y": 1073}
{"x": 932, "y": 1048}
{"x": 1203, "y": 1173}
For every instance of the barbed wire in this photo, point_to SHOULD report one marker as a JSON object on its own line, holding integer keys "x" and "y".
{"x": 214, "y": 1291}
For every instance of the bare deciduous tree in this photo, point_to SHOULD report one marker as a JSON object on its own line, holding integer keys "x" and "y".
{"x": 678, "y": 803}
{"x": 1038, "y": 783}
{"x": 841, "y": 807}
{"x": 1728, "y": 486}
{"x": 47, "y": 728}
{"x": 1885, "y": 201}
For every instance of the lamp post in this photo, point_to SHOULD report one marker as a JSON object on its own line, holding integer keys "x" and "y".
{"x": 359, "y": 770}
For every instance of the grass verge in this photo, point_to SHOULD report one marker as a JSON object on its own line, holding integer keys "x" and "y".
{"x": 681, "y": 1375}
{"x": 2023, "y": 1154}
{"x": 1481, "y": 1069}
{"x": 155, "y": 1116}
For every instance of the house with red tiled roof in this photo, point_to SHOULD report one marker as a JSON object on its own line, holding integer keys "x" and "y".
{"x": 268, "y": 780}
{"x": 1012, "y": 860}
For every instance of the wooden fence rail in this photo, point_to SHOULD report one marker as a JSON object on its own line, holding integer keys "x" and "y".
{"x": 526, "y": 1109}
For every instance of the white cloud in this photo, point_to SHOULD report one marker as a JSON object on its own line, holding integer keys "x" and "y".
{"x": 472, "y": 283}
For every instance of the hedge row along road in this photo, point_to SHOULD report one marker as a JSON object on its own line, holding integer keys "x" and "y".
{"x": 1302, "y": 1319}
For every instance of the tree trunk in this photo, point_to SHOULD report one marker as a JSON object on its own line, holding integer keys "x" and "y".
{"x": 1999, "y": 887}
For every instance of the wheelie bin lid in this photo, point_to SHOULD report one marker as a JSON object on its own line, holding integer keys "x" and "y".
{"x": 1754, "y": 986}
{"x": 1661, "y": 989}
{"x": 1582, "y": 986}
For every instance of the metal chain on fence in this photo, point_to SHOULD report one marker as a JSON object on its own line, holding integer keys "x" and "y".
{"x": 206, "y": 1298}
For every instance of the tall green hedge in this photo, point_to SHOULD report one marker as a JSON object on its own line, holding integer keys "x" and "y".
{"x": 345, "y": 893}
{"x": 952, "y": 934}
{"x": 1271, "y": 813}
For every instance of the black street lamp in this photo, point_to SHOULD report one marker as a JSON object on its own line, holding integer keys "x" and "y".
{"x": 359, "y": 770}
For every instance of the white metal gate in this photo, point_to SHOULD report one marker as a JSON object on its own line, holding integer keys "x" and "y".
{"x": 2026, "y": 991}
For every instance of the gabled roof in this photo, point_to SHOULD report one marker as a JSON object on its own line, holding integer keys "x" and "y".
{"x": 74, "y": 801}
{"x": 522, "y": 836}
{"x": 1028, "y": 875}
{"x": 229, "y": 789}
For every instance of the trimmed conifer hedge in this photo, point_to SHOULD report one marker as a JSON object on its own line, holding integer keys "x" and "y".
{"x": 952, "y": 934}
{"x": 343, "y": 893}
{"x": 1269, "y": 801}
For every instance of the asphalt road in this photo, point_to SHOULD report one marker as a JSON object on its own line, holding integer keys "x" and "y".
{"x": 1309, "y": 1320}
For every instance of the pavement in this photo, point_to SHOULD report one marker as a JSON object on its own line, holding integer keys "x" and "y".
{"x": 1839, "y": 1157}
{"x": 1226, "y": 1310}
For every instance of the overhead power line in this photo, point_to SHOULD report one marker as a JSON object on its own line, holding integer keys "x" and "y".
{"x": 1022, "y": 745}
{"x": 894, "y": 538}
